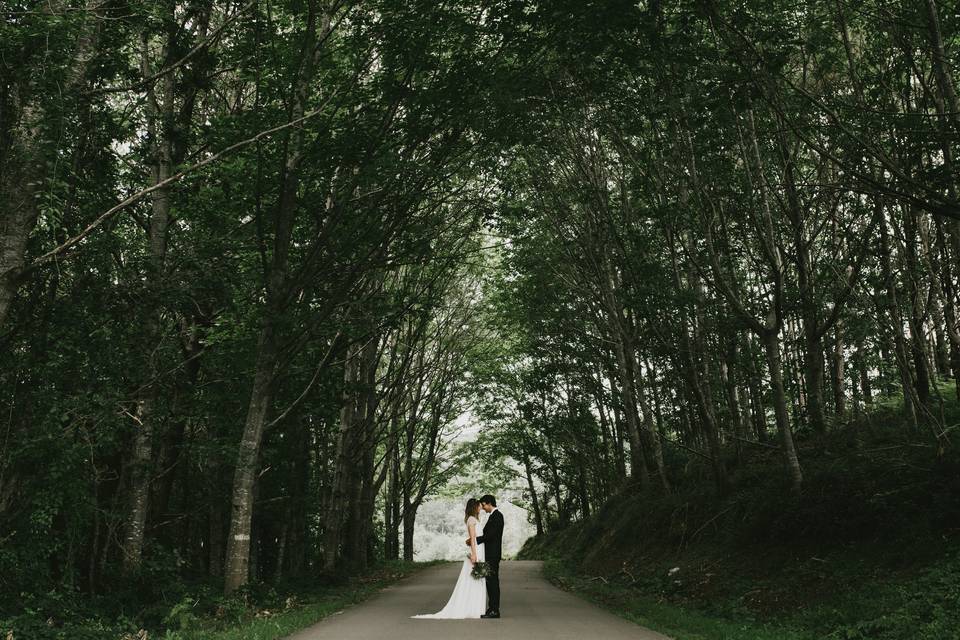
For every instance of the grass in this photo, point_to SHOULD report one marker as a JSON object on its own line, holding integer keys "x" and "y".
{"x": 256, "y": 614}
{"x": 669, "y": 619}
{"x": 270, "y": 625}
{"x": 870, "y": 551}
{"x": 924, "y": 607}
{"x": 277, "y": 625}
{"x": 284, "y": 623}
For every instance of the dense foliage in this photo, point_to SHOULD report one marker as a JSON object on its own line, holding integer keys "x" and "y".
{"x": 237, "y": 309}
{"x": 737, "y": 227}
{"x": 257, "y": 260}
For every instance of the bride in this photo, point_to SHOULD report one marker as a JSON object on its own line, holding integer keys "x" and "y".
{"x": 469, "y": 597}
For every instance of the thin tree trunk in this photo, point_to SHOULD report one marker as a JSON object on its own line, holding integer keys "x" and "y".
{"x": 650, "y": 429}
{"x": 391, "y": 519}
{"x": 863, "y": 373}
{"x": 169, "y": 457}
{"x": 537, "y": 516}
{"x": 618, "y": 450}
{"x": 300, "y": 493}
{"x": 733, "y": 399}
{"x": 809, "y": 307}
{"x": 918, "y": 311}
{"x": 638, "y": 462}
{"x": 409, "y": 524}
{"x": 141, "y": 460}
{"x": 215, "y": 541}
{"x": 944, "y": 274}
{"x": 948, "y": 112}
{"x": 696, "y": 368}
{"x": 340, "y": 483}
{"x": 771, "y": 345}
{"x": 837, "y": 373}
{"x": 282, "y": 541}
{"x": 758, "y": 411}
{"x": 892, "y": 310}
{"x": 606, "y": 438}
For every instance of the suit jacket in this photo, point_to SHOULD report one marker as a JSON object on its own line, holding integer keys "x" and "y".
{"x": 492, "y": 538}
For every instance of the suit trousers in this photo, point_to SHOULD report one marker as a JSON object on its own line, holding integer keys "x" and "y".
{"x": 493, "y": 586}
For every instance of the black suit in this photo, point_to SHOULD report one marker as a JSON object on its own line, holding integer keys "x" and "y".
{"x": 492, "y": 540}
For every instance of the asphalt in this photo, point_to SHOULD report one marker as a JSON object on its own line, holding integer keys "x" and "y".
{"x": 532, "y": 609}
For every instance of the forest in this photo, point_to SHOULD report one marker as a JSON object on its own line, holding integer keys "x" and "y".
{"x": 262, "y": 260}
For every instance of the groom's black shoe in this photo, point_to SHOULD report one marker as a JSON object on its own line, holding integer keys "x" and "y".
{"x": 491, "y": 614}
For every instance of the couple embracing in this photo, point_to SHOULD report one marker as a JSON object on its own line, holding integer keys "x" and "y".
{"x": 477, "y": 592}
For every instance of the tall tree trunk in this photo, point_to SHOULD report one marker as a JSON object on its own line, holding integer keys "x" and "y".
{"x": 391, "y": 517}
{"x": 160, "y": 130}
{"x": 352, "y": 540}
{"x": 837, "y": 373}
{"x": 892, "y": 310}
{"x": 563, "y": 514}
{"x": 283, "y": 539}
{"x": 618, "y": 450}
{"x": 277, "y": 289}
{"x": 168, "y": 133}
{"x": 215, "y": 553}
{"x": 771, "y": 345}
{"x": 863, "y": 373}
{"x": 409, "y": 525}
{"x": 364, "y": 497}
{"x": 606, "y": 440}
{"x": 169, "y": 457}
{"x": 696, "y": 369}
{"x": 298, "y": 529}
{"x": 237, "y": 562}
{"x": 732, "y": 392}
{"x": 809, "y": 306}
{"x": 24, "y": 157}
{"x": 918, "y": 311}
{"x": 948, "y": 112}
{"x": 583, "y": 493}
{"x": 340, "y": 484}
{"x": 757, "y": 409}
{"x": 941, "y": 349}
{"x": 649, "y": 428}
{"x": 638, "y": 462}
{"x": 944, "y": 274}
{"x": 537, "y": 516}
{"x": 813, "y": 377}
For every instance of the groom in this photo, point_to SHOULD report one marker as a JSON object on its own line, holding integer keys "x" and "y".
{"x": 492, "y": 541}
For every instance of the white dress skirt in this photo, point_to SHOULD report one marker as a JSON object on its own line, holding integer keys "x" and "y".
{"x": 469, "y": 597}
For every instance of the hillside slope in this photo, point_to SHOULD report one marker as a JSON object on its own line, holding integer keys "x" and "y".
{"x": 870, "y": 550}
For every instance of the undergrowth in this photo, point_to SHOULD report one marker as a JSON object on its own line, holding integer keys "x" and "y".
{"x": 868, "y": 551}
{"x": 193, "y": 611}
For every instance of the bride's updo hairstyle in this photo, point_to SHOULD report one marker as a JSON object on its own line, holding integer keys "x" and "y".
{"x": 472, "y": 509}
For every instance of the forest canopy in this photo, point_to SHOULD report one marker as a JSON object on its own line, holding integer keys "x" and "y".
{"x": 258, "y": 258}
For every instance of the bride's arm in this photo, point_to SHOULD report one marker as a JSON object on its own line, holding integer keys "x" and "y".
{"x": 472, "y": 530}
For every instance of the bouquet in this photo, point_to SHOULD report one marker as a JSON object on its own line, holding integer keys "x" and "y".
{"x": 480, "y": 570}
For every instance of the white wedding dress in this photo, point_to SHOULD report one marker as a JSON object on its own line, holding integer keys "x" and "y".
{"x": 469, "y": 597}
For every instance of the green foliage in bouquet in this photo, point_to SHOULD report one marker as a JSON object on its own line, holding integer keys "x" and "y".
{"x": 480, "y": 570}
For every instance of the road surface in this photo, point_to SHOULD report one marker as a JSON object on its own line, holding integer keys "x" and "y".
{"x": 532, "y": 609}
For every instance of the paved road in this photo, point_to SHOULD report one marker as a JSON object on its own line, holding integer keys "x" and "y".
{"x": 532, "y": 608}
